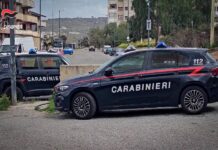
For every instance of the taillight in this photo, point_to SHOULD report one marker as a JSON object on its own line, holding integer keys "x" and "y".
{"x": 22, "y": 80}
{"x": 214, "y": 71}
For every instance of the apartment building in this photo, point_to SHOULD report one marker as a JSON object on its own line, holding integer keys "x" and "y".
{"x": 119, "y": 11}
{"x": 27, "y": 21}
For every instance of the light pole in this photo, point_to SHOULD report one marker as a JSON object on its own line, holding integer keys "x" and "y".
{"x": 59, "y": 24}
{"x": 212, "y": 25}
{"x": 40, "y": 25}
{"x": 13, "y": 59}
{"x": 148, "y": 22}
{"x": 52, "y": 27}
{"x": 128, "y": 38}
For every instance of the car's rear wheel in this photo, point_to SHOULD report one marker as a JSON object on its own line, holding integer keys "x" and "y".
{"x": 83, "y": 106}
{"x": 7, "y": 92}
{"x": 194, "y": 100}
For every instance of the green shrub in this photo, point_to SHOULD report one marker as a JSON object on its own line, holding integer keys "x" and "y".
{"x": 138, "y": 44}
{"x": 123, "y": 45}
{"x": 51, "y": 105}
{"x": 4, "y": 103}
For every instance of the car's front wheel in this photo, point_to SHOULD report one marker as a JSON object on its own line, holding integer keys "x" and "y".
{"x": 194, "y": 100}
{"x": 83, "y": 106}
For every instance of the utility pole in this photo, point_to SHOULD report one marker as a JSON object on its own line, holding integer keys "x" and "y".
{"x": 128, "y": 38}
{"x": 59, "y": 24}
{"x": 212, "y": 24}
{"x": 40, "y": 25}
{"x": 52, "y": 32}
{"x": 148, "y": 22}
{"x": 13, "y": 61}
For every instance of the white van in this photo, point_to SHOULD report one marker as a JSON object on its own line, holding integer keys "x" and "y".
{"x": 105, "y": 48}
{"x": 23, "y": 44}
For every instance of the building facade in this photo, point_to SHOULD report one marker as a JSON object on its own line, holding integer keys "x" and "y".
{"x": 27, "y": 22}
{"x": 119, "y": 11}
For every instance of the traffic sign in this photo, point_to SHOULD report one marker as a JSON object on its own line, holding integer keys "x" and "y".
{"x": 128, "y": 39}
{"x": 148, "y": 24}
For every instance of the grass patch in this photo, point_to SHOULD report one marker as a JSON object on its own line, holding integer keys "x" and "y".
{"x": 4, "y": 103}
{"x": 51, "y": 105}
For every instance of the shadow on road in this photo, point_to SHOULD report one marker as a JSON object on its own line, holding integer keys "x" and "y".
{"x": 150, "y": 112}
{"x": 135, "y": 113}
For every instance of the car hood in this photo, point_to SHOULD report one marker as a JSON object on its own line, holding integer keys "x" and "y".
{"x": 78, "y": 79}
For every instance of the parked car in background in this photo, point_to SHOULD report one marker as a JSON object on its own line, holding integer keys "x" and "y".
{"x": 68, "y": 50}
{"x": 22, "y": 44}
{"x": 92, "y": 48}
{"x": 116, "y": 51}
{"x": 108, "y": 50}
{"x": 37, "y": 74}
{"x": 58, "y": 46}
{"x": 105, "y": 48}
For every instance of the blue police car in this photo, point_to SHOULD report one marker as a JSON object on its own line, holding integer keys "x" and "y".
{"x": 159, "y": 77}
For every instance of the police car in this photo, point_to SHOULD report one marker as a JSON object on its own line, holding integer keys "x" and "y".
{"x": 37, "y": 74}
{"x": 160, "y": 77}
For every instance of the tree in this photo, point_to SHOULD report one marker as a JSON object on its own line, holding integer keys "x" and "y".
{"x": 96, "y": 37}
{"x": 171, "y": 15}
{"x": 84, "y": 42}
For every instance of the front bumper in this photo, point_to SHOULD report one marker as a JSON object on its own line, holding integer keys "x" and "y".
{"x": 62, "y": 103}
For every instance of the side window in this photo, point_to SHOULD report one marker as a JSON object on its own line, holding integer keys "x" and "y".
{"x": 183, "y": 60}
{"x": 198, "y": 60}
{"x": 163, "y": 59}
{"x": 28, "y": 62}
{"x": 4, "y": 63}
{"x": 50, "y": 62}
{"x": 130, "y": 63}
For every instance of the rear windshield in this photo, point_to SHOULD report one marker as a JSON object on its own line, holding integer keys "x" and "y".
{"x": 210, "y": 58}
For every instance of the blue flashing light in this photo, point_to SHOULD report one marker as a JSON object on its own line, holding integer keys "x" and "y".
{"x": 161, "y": 45}
{"x": 32, "y": 51}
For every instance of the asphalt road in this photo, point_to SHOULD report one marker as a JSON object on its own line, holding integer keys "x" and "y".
{"x": 22, "y": 128}
{"x": 83, "y": 56}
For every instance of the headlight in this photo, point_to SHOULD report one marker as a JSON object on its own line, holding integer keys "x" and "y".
{"x": 61, "y": 88}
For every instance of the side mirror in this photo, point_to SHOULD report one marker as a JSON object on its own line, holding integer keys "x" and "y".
{"x": 108, "y": 72}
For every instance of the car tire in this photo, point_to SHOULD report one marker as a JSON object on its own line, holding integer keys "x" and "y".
{"x": 7, "y": 92}
{"x": 194, "y": 100}
{"x": 83, "y": 106}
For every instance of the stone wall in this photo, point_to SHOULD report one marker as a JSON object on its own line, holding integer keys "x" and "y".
{"x": 67, "y": 72}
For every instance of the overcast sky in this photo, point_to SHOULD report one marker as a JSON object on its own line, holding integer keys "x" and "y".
{"x": 73, "y": 8}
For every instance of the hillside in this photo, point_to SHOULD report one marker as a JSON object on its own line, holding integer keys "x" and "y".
{"x": 74, "y": 28}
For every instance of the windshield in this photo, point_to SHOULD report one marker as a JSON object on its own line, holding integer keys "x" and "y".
{"x": 104, "y": 65}
{"x": 5, "y": 48}
{"x": 67, "y": 60}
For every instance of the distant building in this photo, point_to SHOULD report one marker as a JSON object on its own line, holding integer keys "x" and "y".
{"x": 27, "y": 21}
{"x": 119, "y": 11}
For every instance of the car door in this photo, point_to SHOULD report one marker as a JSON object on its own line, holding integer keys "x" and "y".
{"x": 163, "y": 81}
{"x": 119, "y": 89}
{"x": 31, "y": 75}
{"x": 50, "y": 65}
